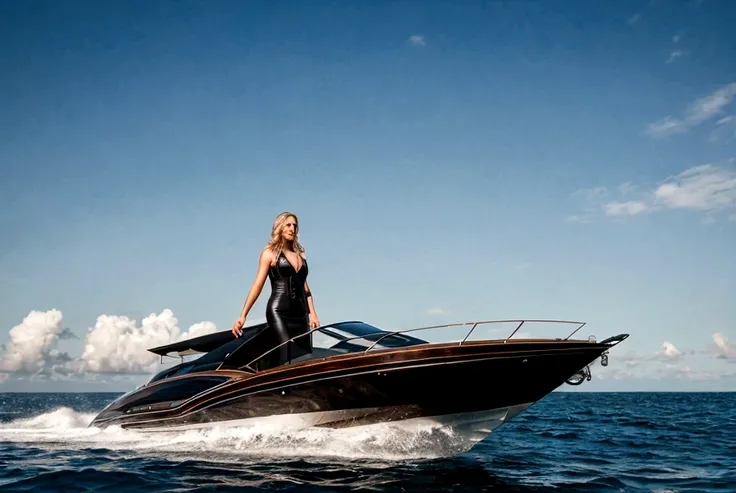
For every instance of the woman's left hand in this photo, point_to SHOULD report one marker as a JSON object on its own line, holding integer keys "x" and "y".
{"x": 313, "y": 321}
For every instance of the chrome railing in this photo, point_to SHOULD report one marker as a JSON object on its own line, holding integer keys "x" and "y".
{"x": 473, "y": 325}
{"x": 384, "y": 334}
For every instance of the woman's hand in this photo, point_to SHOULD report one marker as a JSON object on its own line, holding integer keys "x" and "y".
{"x": 313, "y": 321}
{"x": 238, "y": 327}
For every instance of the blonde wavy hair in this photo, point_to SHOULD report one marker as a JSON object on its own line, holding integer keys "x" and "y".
{"x": 276, "y": 242}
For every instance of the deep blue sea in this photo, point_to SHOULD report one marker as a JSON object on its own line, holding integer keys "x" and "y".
{"x": 654, "y": 442}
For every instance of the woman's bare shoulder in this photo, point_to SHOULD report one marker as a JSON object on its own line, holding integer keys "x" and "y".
{"x": 266, "y": 254}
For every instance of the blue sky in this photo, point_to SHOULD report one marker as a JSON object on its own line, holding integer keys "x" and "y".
{"x": 487, "y": 160}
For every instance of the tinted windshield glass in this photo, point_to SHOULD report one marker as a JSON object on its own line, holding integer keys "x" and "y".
{"x": 355, "y": 328}
{"x": 361, "y": 336}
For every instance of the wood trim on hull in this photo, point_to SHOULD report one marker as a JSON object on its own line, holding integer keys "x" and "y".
{"x": 388, "y": 378}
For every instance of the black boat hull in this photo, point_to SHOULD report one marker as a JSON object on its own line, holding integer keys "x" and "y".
{"x": 485, "y": 384}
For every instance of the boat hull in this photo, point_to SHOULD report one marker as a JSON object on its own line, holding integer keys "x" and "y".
{"x": 436, "y": 383}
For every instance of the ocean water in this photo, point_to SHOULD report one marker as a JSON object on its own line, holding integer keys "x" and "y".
{"x": 569, "y": 441}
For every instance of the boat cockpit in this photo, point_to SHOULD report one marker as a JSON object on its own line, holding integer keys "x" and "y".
{"x": 251, "y": 351}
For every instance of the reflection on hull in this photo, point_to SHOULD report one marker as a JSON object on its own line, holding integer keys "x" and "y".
{"x": 472, "y": 387}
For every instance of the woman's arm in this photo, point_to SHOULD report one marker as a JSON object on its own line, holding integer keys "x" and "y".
{"x": 264, "y": 262}
{"x": 313, "y": 318}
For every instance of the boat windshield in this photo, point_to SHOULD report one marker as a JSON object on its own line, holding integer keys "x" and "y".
{"x": 359, "y": 336}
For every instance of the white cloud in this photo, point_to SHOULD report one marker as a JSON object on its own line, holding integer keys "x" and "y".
{"x": 630, "y": 208}
{"x": 198, "y": 329}
{"x": 725, "y": 130}
{"x": 667, "y": 126}
{"x": 703, "y": 109}
{"x": 417, "y": 40}
{"x": 669, "y": 352}
{"x": 703, "y": 188}
{"x": 675, "y": 54}
{"x": 669, "y": 362}
{"x": 32, "y": 345}
{"x": 721, "y": 347}
{"x": 437, "y": 311}
{"x": 707, "y": 188}
{"x": 116, "y": 344}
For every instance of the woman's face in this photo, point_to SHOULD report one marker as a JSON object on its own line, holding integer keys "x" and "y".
{"x": 289, "y": 229}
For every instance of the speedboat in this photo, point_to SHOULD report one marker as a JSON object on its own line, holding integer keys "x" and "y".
{"x": 355, "y": 374}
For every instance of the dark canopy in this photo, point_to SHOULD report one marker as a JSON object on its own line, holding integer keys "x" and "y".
{"x": 201, "y": 344}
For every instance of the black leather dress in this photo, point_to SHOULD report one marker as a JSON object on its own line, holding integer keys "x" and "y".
{"x": 287, "y": 311}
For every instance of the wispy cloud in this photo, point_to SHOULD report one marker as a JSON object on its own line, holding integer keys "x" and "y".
{"x": 707, "y": 188}
{"x": 700, "y": 111}
{"x": 417, "y": 40}
{"x": 628, "y": 208}
{"x": 724, "y": 131}
{"x": 703, "y": 188}
{"x": 675, "y": 54}
{"x": 438, "y": 311}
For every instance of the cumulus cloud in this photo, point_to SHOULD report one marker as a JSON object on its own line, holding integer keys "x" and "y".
{"x": 32, "y": 344}
{"x": 116, "y": 344}
{"x": 700, "y": 111}
{"x": 668, "y": 352}
{"x": 706, "y": 188}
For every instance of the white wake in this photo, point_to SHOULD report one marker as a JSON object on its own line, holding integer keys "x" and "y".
{"x": 65, "y": 428}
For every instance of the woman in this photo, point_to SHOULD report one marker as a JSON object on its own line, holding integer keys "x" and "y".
{"x": 290, "y": 310}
